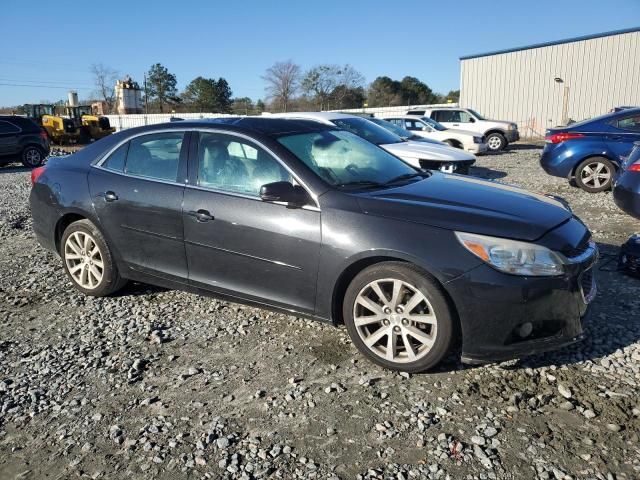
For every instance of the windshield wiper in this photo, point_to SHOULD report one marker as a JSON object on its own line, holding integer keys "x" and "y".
{"x": 360, "y": 183}
{"x": 407, "y": 176}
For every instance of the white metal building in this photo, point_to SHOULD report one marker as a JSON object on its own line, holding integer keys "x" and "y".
{"x": 545, "y": 85}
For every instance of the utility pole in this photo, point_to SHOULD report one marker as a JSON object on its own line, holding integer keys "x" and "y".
{"x": 146, "y": 96}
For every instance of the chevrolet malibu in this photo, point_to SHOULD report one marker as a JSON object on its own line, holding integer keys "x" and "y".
{"x": 310, "y": 220}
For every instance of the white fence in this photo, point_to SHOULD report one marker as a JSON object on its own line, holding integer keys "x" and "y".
{"x": 401, "y": 110}
{"x": 122, "y": 122}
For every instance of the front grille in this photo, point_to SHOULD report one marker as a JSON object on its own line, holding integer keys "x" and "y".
{"x": 430, "y": 164}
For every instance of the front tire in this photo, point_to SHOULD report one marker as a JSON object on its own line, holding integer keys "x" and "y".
{"x": 595, "y": 174}
{"x": 398, "y": 317}
{"x": 32, "y": 156}
{"x": 88, "y": 261}
{"x": 496, "y": 142}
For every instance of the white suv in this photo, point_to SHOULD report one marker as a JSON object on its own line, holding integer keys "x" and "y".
{"x": 428, "y": 128}
{"x": 498, "y": 133}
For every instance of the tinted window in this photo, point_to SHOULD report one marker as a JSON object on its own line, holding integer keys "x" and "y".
{"x": 117, "y": 159}
{"x": 155, "y": 156}
{"x": 413, "y": 125}
{"x": 455, "y": 116}
{"x": 6, "y": 128}
{"x": 630, "y": 123}
{"x": 236, "y": 165}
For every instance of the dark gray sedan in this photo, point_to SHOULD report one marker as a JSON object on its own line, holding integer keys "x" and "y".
{"x": 311, "y": 220}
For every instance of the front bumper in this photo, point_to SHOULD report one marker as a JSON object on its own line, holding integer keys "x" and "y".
{"x": 507, "y": 316}
{"x": 476, "y": 148}
{"x": 512, "y": 136}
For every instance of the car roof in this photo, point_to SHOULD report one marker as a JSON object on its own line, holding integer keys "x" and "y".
{"x": 408, "y": 117}
{"x": 273, "y": 127}
{"x": 325, "y": 117}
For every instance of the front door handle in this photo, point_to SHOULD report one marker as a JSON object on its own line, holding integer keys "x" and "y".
{"x": 615, "y": 137}
{"x": 201, "y": 215}
{"x": 110, "y": 196}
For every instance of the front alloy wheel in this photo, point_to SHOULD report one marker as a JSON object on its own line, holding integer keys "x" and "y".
{"x": 496, "y": 142}
{"x": 398, "y": 317}
{"x": 395, "y": 320}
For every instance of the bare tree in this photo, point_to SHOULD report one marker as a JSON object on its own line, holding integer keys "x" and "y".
{"x": 283, "y": 81}
{"x": 105, "y": 78}
{"x": 329, "y": 84}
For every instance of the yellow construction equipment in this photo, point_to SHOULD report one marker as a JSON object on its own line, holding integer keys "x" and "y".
{"x": 60, "y": 130}
{"x": 92, "y": 127}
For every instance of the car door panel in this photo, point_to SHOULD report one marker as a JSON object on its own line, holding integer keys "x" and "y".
{"x": 143, "y": 218}
{"x": 252, "y": 248}
{"x": 243, "y": 246}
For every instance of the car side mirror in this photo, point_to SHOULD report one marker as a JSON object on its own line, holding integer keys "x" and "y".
{"x": 285, "y": 192}
{"x": 472, "y": 120}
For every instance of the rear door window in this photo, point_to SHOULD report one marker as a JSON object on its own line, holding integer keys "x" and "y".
{"x": 8, "y": 128}
{"x": 155, "y": 156}
{"x": 117, "y": 159}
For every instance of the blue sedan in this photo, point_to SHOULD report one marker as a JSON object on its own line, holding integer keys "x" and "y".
{"x": 592, "y": 151}
{"x": 626, "y": 187}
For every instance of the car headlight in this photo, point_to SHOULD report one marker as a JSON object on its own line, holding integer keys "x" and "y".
{"x": 512, "y": 256}
{"x": 513, "y": 126}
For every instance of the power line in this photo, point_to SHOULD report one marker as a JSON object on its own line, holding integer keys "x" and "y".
{"x": 43, "y": 86}
{"x": 38, "y": 81}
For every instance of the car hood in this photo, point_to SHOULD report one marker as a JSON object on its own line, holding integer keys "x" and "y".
{"x": 462, "y": 203}
{"x": 427, "y": 151}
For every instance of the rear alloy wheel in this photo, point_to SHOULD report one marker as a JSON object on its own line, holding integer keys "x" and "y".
{"x": 496, "y": 142}
{"x": 32, "y": 157}
{"x": 88, "y": 260}
{"x": 595, "y": 174}
{"x": 398, "y": 317}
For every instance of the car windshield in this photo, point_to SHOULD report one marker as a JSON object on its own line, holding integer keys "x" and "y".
{"x": 477, "y": 115}
{"x": 401, "y": 132}
{"x": 345, "y": 160}
{"x": 433, "y": 123}
{"x": 367, "y": 130}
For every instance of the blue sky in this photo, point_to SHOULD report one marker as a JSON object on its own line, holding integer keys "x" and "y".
{"x": 53, "y": 42}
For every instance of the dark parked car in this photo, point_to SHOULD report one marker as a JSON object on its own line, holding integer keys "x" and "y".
{"x": 626, "y": 186}
{"x": 591, "y": 151}
{"x": 304, "y": 218}
{"x": 22, "y": 139}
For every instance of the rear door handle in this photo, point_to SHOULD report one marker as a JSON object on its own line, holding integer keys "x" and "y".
{"x": 201, "y": 215}
{"x": 110, "y": 196}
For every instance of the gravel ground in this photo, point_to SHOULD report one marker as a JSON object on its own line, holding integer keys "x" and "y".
{"x": 163, "y": 384}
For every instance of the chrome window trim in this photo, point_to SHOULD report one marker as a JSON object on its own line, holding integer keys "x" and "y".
{"x": 101, "y": 160}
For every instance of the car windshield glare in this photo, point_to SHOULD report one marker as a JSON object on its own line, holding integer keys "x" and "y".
{"x": 367, "y": 130}
{"x": 433, "y": 123}
{"x": 345, "y": 160}
{"x": 392, "y": 127}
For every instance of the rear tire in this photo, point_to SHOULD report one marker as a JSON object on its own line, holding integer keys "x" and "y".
{"x": 595, "y": 174}
{"x": 410, "y": 329}
{"x": 88, "y": 261}
{"x": 32, "y": 156}
{"x": 496, "y": 142}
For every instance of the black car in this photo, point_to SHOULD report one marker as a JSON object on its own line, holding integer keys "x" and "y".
{"x": 626, "y": 185}
{"x": 22, "y": 139}
{"x": 307, "y": 219}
